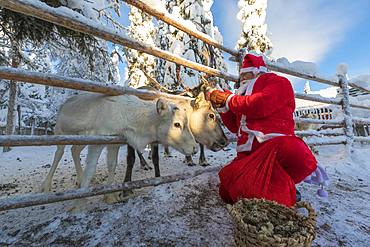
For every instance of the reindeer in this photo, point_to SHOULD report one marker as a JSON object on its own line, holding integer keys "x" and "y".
{"x": 141, "y": 122}
{"x": 197, "y": 114}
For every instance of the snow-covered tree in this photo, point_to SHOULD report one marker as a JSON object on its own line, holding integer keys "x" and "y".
{"x": 141, "y": 29}
{"x": 252, "y": 14}
{"x": 197, "y": 15}
{"x": 115, "y": 60}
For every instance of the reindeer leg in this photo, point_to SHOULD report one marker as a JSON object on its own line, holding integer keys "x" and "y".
{"x": 202, "y": 157}
{"x": 189, "y": 160}
{"x": 155, "y": 159}
{"x": 92, "y": 158}
{"x": 46, "y": 185}
{"x": 112, "y": 158}
{"x": 122, "y": 196}
{"x": 167, "y": 152}
{"x": 76, "y": 151}
{"x": 130, "y": 162}
{"x": 143, "y": 164}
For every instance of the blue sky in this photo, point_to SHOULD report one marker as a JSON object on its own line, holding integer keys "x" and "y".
{"x": 325, "y": 32}
{"x": 321, "y": 31}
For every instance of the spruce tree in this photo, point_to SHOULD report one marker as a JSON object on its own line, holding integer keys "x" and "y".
{"x": 252, "y": 14}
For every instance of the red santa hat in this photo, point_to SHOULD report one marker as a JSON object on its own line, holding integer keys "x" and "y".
{"x": 253, "y": 63}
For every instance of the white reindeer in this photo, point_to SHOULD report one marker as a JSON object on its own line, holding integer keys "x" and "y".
{"x": 141, "y": 122}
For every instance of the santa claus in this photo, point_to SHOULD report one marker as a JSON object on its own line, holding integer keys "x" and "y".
{"x": 270, "y": 158}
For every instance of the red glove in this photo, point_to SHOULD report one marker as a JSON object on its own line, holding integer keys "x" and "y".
{"x": 218, "y": 98}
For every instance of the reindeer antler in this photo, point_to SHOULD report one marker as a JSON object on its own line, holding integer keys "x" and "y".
{"x": 156, "y": 84}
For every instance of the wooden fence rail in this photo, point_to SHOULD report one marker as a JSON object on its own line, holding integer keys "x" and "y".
{"x": 24, "y": 140}
{"x": 47, "y": 198}
{"x": 333, "y": 101}
{"x": 319, "y": 141}
{"x": 361, "y": 138}
{"x": 98, "y": 87}
{"x": 79, "y": 84}
{"x": 334, "y": 132}
{"x": 319, "y": 121}
{"x": 361, "y": 120}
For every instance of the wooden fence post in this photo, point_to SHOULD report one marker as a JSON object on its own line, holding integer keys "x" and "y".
{"x": 348, "y": 122}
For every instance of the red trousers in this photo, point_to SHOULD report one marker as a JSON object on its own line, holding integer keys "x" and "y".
{"x": 269, "y": 171}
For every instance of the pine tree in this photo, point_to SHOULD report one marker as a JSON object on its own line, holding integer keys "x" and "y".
{"x": 252, "y": 14}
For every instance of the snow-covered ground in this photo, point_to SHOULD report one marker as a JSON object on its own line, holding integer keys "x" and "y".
{"x": 185, "y": 213}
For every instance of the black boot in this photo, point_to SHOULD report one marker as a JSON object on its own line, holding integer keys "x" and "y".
{"x": 298, "y": 196}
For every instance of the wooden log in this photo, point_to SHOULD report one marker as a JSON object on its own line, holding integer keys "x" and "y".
{"x": 320, "y": 141}
{"x": 359, "y": 106}
{"x": 361, "y": 138}
{"x": 319, "y": 121}
{"x": 317, "y": 98}
{"x": 288, "y": 71}
{"x": 328, "y": 132}
{"x": 20, "y": 140}
{"x": 361, "y": 120}
{"x": 334, "y": 101}
{"x": 77, "y": 22}
{"x": 348, "y": 124}
{"x": 41, "y": 199}
{"x": 173, "y": 21}
{"x": 80, "y": 84}
{"x": 358, "y": 87}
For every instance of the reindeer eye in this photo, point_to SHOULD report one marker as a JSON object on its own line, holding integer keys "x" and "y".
{"x": 177, "y": 125}
{"x": 212, "y": 116}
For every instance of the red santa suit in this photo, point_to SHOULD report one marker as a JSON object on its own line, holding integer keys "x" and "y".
{"x": 270, "y": 159}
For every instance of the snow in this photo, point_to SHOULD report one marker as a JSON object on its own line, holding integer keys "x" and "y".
{"x": 362, "y": 81}
{"x": 184, "y": 213}
{"x": 342, "y": 69}
{"x": 156, "y": 4}
{"x": 299, "y": 66}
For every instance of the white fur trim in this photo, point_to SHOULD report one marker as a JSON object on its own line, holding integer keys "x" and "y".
{"x": 228, "y": 100}
{"x": 254, "y": 70}
{"x": 248, "y": 69}
{"x": 260, "y": 136}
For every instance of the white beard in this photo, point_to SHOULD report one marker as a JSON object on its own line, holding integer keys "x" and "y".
{"x": 244, "y": 85}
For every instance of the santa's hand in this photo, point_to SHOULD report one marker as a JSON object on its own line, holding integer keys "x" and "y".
{"x": 218, "y": 98}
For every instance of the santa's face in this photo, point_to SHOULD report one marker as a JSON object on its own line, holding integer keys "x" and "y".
{"x": 247, "y": 76}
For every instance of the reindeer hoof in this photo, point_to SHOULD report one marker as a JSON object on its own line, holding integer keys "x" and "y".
{"x": 147, "y": 168}
{"x": 192, "y": 164}
{"x": 204, "y": 163}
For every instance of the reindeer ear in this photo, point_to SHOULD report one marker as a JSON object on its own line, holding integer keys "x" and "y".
{"x": 162, "y": 106}
{"x": 199, "y": 101}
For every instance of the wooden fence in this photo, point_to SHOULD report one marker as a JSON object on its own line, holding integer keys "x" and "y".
{"x": 77, "y": 22}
